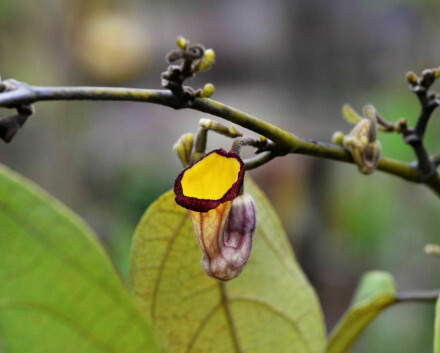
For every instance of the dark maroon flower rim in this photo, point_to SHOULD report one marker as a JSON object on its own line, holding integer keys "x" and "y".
{"x": 204, "y": 205}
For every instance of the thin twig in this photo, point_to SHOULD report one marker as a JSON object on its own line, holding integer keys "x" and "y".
{"x": 30, "y": 94}
{"x": 261, "y": 144}
{"x": 415, "y": 137}
{"x": 284, "y": 140}
{"x": 386, "y": 125}
{"x": 418, "y": 296}
{"x": 259, "y": 160}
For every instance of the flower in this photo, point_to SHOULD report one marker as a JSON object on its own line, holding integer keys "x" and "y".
{"x": 223, "y": 218}
{"x": 213, "y": 180}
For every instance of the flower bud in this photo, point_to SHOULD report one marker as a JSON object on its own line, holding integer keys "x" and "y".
{"x": 362, "y": 143}
{"x": 411, "y": 77}
{"x": 181, "y": 42}
{"x": 338, "y": 138}
{"x": 207, "y": 60}
{"x": 183, "y": 147}
{"x": 208, "y": 90}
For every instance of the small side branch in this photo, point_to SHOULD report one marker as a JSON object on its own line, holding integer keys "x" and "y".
{"x": 10, "y": 125}
{"x": 259, "y": 160}
{"x": 428, "y": 101}
{"x": 429, "y": 296}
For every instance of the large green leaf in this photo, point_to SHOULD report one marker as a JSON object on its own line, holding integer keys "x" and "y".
{"x": 437, "y": 327}
{"x": 59, "y": 292}
{"x": 375, "y": 293}
{"x": 270, "y": 307}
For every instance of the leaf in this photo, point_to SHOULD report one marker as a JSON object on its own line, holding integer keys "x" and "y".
{"x": 270, "y": 307}
{"x": 350, "y": 114}
{"x": 353, "y": 118}
{"x": 375, "y": 293}
{"x": 437, "y": 327}
{"x": 59, "y": 292}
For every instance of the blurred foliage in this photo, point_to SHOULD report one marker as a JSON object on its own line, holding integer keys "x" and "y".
{"x": 132, "y": 194}
{"x": 376, "y": 292}
{"x": 110, "y": 47}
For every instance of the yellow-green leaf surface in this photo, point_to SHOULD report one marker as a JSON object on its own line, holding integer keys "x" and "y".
{"x": 375, "y": 293}
{"x": 437, "y": 327}
{"x": 350, "y": 114}
{"x": 59, "y": 291}
{"x": 270, "y": 307}
{"x": 352, "y": 117}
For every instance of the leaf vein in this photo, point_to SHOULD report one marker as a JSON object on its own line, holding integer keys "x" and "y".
{"x": 277, "y": 312}
{"x": 162, "y": 265}
{"x": 38, "y": 307}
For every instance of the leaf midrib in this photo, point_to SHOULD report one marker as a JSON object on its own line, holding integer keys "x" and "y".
{"x": 225, "y": 299}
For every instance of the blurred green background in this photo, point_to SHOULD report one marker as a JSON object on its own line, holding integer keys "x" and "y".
{"x": 292, "y": 63}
